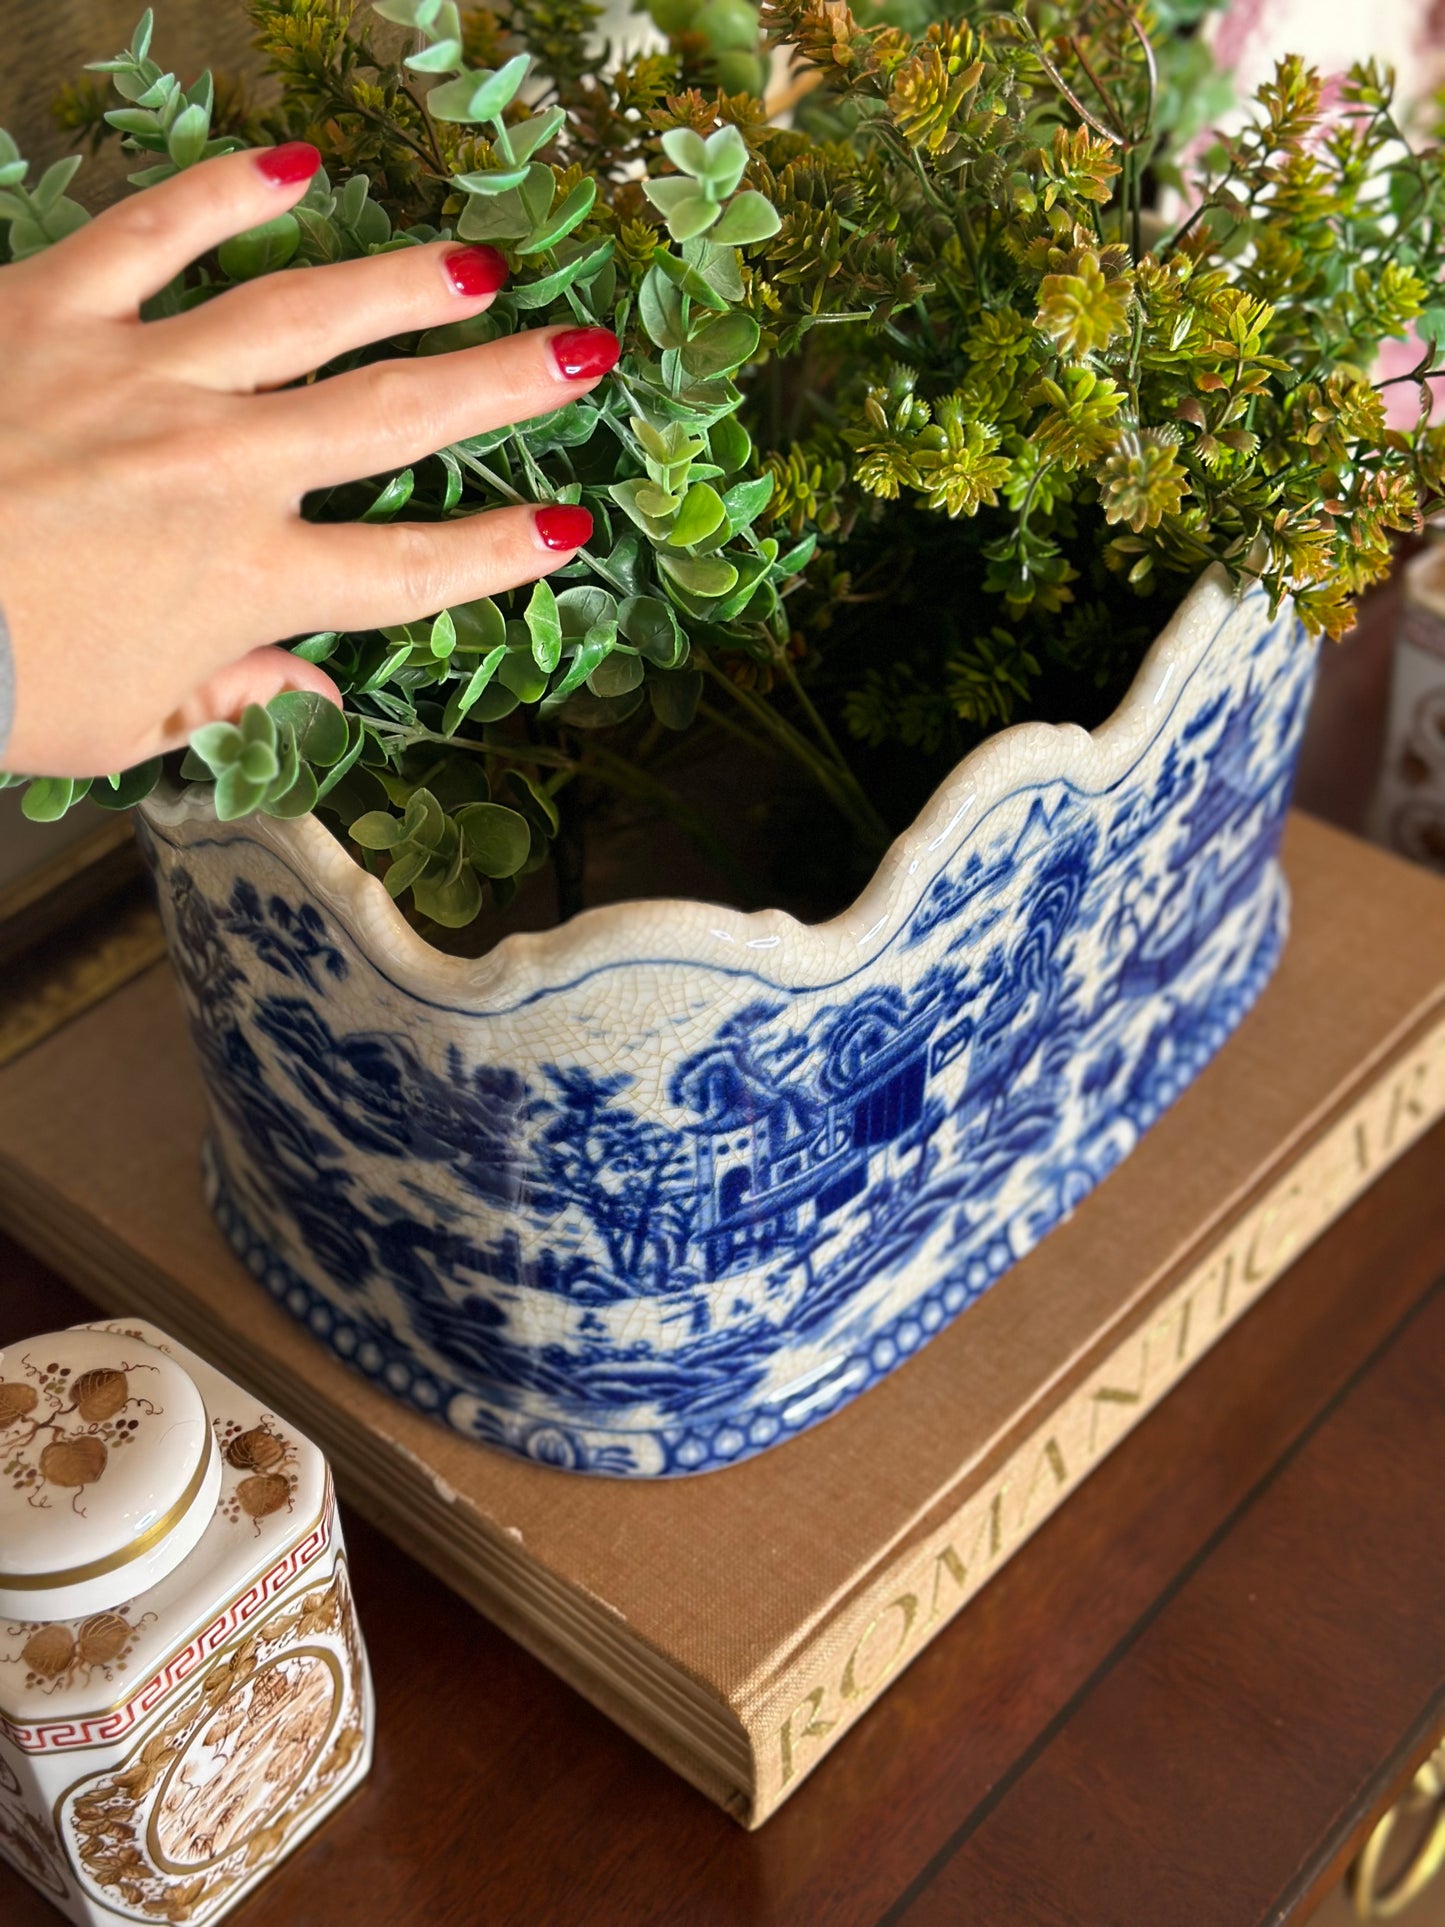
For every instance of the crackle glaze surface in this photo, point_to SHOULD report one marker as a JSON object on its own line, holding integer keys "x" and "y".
{"x": 649, "y": 1193}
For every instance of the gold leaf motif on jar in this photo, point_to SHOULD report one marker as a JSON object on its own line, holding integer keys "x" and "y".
{"x": 49, "y": 1651}
{"x": 235, "y": 1772}
{"x": 102, "y": 1638}
{"x": 263, "y": 1494}
{"x": 225, "y": 1794}
{"x": 100, "y": 1394}
{"x": 16, "y": 1401}
{"x": 256, "y": 1451}
{"x": 73, "y": 1462}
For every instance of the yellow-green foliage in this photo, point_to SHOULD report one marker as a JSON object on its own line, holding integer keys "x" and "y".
{"x": 924, "y": 419}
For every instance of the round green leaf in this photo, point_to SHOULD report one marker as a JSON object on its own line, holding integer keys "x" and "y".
{"x": 530, "y": 135}
{"x": 700, "y": 575}
{"x": 496, "y": 839}
{"x": 725, "y": 160}
{"x": 747, "y": 218}
{"x": 699, "y": 285}
{"x": 745, "y": 501}
{"x": 701, "y": 513}
{"x": 259, "y": 763}
{"x": 465, "y": 699}
{"x": 355, "y": 743}
{"x": 299, "y": 800}
{"x": 375, "y": 831}
{"x": 453, "y": 99}
{"x": 649, "y": 624}
{"x": 659, "y": 308}
{"x": 260, "y": 250}
{"x": 481, "y": 626}
{"x": 49, "y": 797}
{"x": 685, "y": 149}
{"x": 392, "y": 499}
{"x": 498, "y": 217}
{"x": 189, "y": 132}
{"x": 588, "y": 262}
{"x": 561, "y": 221}
{"x": 583, "y": 710}
{"x": 694, "y": 214}
{"x": 545, "y": 627}
{"x": 495, "y": 702}
{"x": 498, "y": 90}
{"x": 122, "y": 792}
{"x": 320, "y": 726}
{"x": 452, "y": 902}
{"x": 442, "y": 57}
{"x": 722, "y": 345}
{"x": 520, "y": 674}
{"x": 318, "y": 648}
{"x": 729, "y": 443}
{"x": 656, "y": 502}
{"x": 583, "y": 608}
{"x": 409, "y": 863}
{"x": 236, "y": 795}
{"x": 218, "y": 745}
{"x": 424, "y": 822}
{"x": 257, "y": 726}
{"x": 617, "y": 674}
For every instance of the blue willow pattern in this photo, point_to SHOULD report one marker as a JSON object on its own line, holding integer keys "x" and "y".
{"x": 645, "y": 1247}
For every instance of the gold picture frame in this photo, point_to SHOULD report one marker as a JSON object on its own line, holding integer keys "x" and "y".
{"x": 73, "y": 928}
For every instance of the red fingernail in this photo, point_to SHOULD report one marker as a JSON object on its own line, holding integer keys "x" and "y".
{"x": 563, "y": 527}
{"x": 474, "y": 271}
{"x": 583, "y": 354}
{"x": 293, "y": 161}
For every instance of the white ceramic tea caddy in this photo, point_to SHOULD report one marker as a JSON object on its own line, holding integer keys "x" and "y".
{"x": 184, "y": 1693}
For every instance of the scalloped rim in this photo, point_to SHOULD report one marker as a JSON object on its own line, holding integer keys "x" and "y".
{"x": 771, "y": 944}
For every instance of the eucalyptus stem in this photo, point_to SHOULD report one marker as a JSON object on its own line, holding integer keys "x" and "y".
{"x": 839, "y": 784}
{"x": 515, "y": 496}
{"x": 406, "y": 736}
{"x": 805, "y": 703}
{"x": 569, "y": 853}
{"x": 722, "y": 720}
{"x": 632, "y": 780}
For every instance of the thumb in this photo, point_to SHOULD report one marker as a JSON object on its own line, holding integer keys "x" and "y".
{"x": 254, "y": 678}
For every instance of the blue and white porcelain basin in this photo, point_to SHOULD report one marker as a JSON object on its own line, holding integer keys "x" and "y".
{"x": 650, "y": 1192}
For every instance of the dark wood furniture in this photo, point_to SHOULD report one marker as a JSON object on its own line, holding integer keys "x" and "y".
{"x": 1182, "y": 1705}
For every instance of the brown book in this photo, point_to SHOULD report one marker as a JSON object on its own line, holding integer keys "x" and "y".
{"x": 739, "y": 1623}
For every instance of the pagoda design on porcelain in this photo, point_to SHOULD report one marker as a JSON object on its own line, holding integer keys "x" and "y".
{"x": 651, "y": 1192}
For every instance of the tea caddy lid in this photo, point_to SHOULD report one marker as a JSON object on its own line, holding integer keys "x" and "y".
{"x": 108, "y": 1471}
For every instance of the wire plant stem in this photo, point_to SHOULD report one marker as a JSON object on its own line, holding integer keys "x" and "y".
{"x": 630, "y": 779}
{"x": 837, "y": 782}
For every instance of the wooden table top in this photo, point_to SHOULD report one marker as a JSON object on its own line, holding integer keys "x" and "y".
{"x": 1181, "y": 1705}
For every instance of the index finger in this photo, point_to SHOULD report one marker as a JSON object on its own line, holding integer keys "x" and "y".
{"x": 131, "y": 250}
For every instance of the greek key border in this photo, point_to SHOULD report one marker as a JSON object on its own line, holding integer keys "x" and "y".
{"x": 63, "y": 1736}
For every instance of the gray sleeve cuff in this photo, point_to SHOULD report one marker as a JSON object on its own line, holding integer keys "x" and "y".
{"x": 7, "y": 686}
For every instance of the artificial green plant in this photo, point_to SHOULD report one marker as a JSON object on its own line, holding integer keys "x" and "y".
{"x": 923, "y": 421}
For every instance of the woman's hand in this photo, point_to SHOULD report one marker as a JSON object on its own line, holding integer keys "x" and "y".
{"x": 151, "y": 474}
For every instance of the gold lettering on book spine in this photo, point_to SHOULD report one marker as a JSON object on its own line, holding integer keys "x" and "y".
{"x": 812, "y": 1728}
{"x": 1049, "y": 1466}
{"x": 852, "y": 1685}
{"x": 995, "y": 1520}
